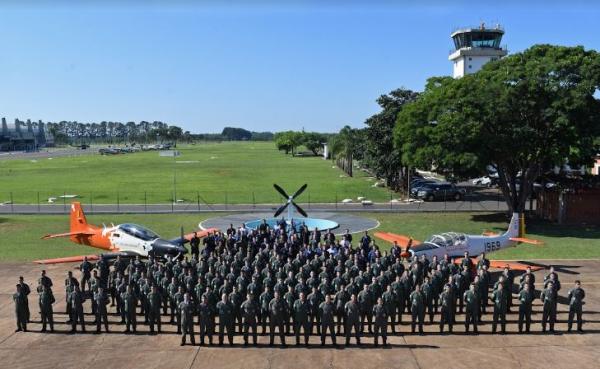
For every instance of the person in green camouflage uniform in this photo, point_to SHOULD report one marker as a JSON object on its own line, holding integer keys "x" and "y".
{"x": 154, "y": 305}
{"x": 471, "y": 300}
{"x": 250, "y": 311}
{"x": 417, "y": 308}
{"x": 302, "y": 311}
{"x": 20, "y": 301}
{"x": 500, "y": 307}
{"x": 526, "y": 297}
{"x": 352, "y": 320}
{"x": 186, "y": 310}
{"x": 226, "y": 319}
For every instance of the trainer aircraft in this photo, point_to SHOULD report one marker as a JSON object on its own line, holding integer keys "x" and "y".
{"x": 456, "y": 244}
{"x": 125, "y": 240}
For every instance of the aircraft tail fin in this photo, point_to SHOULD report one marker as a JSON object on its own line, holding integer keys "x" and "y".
{"x": 514, "y": 226}
{"x": 78, "y": 221}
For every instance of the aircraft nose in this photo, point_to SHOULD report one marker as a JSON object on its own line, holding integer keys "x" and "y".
{"x": 164, "y": 247}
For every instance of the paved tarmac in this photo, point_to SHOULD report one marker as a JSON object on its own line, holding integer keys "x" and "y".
{"x": 117, "y": 350}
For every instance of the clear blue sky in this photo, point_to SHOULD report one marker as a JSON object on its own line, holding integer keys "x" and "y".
{"x": 261, "y": 67}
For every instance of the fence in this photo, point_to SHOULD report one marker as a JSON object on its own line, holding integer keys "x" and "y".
{"x": 187, "y": 201}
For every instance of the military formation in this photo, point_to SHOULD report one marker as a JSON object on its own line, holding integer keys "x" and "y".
{"x": 288, "y": 282}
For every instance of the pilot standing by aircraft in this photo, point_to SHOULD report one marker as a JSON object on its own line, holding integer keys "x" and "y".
{"x": 472, "y": 308}
{"x": 47, "y": 315}
{"x": 380, "y": 317}
{"x": 352, "y": 320}
{"x": 447, "y": 308}
{"x": 186, "y": 309}
{"x": 576, "y": 296}
{"x": 249, "y": 310}
{"x": 500, "y": 301}
{"x": 20, "y": 300}
{"x": 154, "y": 305}
{"x": 417, "y": 308}
{"x": 327, "y": 312}
{"x": 526, "y": 297}
{"x": 76, "y": 300}
{"x": 206, "y": 320}
{"x": 129, "y": 306}
{"x": 195, "y": 246}
{"x": 484, "y": 286}
{"x": 86, "y": 272}
{"x": 26, "y": 291}
{"x": 226, "y": 319}
{"x": 101, "y": 300}
{"x": 548, "y": 298}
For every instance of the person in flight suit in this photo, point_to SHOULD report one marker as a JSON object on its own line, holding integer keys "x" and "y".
{"x": 19, "y": 298}
{"x": 186, "y": 309}
{"x": 206, "y": 320}
{"x": 276, "y": 318}
{"x": 447, "y": 311}
{"x": 472, "y": 308}
{"x": 250, "y": 311}
{"x": 101, "y": 300}
{"x": 576, "y": 296}
{"x": 500, "y": 306}
{"x": 76, "y": 299}
{"x": 301, "y": 318}
{"x": 548, "y": 298}
{"x": 154, "y": 305}
{"x": 46, "y": 301}
{"x": 129, "y": 305}
{"x": 526, "y": 297}
{"x": 380, "y": 316}
{"x": 327, "y": 312}
{"x": 226, "y": 319}
{"x": 352, "y": 319}
{"x": 417, "y": 308}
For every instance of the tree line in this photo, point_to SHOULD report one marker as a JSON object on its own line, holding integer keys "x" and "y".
{"x": 522, "y": 115}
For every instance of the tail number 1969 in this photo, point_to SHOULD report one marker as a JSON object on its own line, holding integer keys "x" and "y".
{"x": 492, "y": 246}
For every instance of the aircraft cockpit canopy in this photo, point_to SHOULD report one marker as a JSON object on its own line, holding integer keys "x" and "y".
{"x": 447, "y": 239}
{"x": 138, "y": 231}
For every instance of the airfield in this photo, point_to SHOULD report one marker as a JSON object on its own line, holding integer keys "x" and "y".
{"x": 115, "y": 349}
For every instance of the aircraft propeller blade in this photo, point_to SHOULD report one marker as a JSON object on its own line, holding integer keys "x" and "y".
{"x": 281, "y": 191}
{"x": 281, "y": 209}
{"x": 300, "y": 210}
{"x": 300, "y": 190}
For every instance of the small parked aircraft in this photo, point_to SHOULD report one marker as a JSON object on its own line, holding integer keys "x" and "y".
{"x": 124, "y": 240}
{"x": 456, "y": 244}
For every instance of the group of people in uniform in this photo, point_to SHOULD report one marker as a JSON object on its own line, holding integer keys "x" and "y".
{"x": 290, "y": 280}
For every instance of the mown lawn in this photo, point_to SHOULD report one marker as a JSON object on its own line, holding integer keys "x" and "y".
{"x": 20, "y": 234}
{"x": 228, "y": 172}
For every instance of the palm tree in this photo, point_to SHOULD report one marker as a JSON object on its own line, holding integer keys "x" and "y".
{"x": 341, "y": 146}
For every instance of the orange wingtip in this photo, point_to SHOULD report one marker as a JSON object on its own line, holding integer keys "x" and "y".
{"x": 513, "y": 265}
{"x": 201, "y": 233}
{"x": 392, "y": 237}
{"x": 69, "y": 259}
{"x": 527, "y": 240}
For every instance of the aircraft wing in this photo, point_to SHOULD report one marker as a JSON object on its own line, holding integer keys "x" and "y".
{"x": 400, "y": 239}
{"x": 68, "y": 234}
{"x": 514, "y": 265}
{"x": 527, "y": 240}
{"x": 201, "y": 233}
{"x": 68, "y": 259}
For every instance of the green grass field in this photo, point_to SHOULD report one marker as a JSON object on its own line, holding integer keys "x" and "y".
{"x": 218, "y": 173}
{"x": 20, "y": 234}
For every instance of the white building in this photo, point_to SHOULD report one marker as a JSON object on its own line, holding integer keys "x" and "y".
{"x": 474, "y": 47}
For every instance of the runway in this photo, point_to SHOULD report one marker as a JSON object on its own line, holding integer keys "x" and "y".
{"x": 115, "y": 349}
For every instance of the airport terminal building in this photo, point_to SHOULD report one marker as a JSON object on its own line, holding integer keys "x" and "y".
{"x": 24, "y": 136}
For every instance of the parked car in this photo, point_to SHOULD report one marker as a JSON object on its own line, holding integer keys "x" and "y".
{"x": 416, "y": 185}
{"x": 440, "y": 191}
{"x": 487, "y": 181}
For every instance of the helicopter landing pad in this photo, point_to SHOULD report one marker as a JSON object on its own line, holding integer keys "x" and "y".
{"x": 351, "y": 222}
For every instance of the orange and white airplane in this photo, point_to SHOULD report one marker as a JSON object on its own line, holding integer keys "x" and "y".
{"x": 455, "y": 244}
{"x": 124, "y": 240}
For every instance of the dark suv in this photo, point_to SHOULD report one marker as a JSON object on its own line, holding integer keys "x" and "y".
{"x": 440, "y": 191}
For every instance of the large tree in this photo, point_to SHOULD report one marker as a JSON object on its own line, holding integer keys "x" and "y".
{"x": 380, "y": 155}
{"x": 522, "y": 114}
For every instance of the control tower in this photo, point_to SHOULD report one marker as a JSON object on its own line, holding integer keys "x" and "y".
{"x": 473, "y": 47}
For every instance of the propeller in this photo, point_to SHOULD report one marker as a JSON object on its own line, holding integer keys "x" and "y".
{"x": 405, "y": 253}
{"x": 290, "y": 200}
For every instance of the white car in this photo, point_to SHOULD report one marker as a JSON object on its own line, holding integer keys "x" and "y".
{"x": 482, "y": 181}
